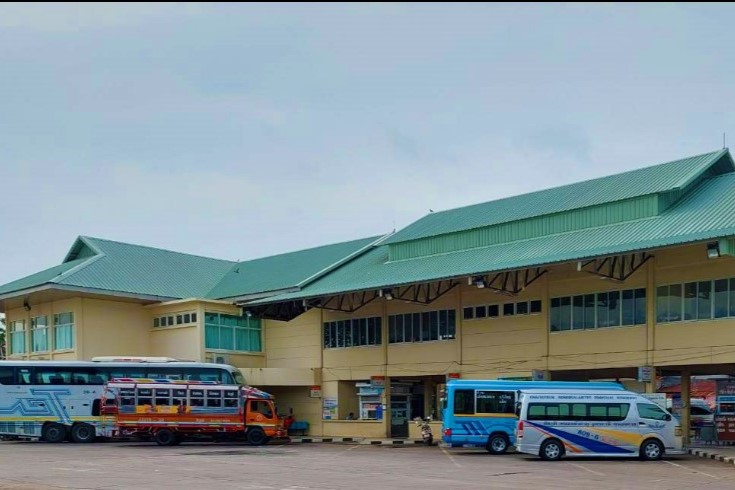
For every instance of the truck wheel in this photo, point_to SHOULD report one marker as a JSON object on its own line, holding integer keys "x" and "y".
{"x": 53, "y": 432}
{"x": 497, "y": 444}
{"x": 165, "y": 437}
{"x": 83, "y": 433}
{"x": 256, "y": 436}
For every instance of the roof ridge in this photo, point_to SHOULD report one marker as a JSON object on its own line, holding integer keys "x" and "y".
{"x": 157, "y": 248}
{"x": 711, "y": 154}
{"x": 373, "y": 238}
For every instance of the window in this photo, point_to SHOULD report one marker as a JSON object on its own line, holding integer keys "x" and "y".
{"x": 522, "y": 308}
{"x": 535, "y": 306}
{"x": 702, "y": 300}
{"x": 7, "y": 377}
{"x": 17, "y": 337}
{"x": 39, "y": 334}
{"x": 356, "y": 332}
{"x": 480, "y": 311}
{"x": 262, "y": 407}
{"x": 231, "y": 332}
{"x": 64, "y": 331}
{"x": 422, "y": 327}
{"x": 651, "y": 411}
{"x": 598, "y": 310}
{"x": 593, "y": 412}
{"x": 496, "y": 401}
{"x": 493, "y": 311}
{"x": 468, "y": 313}
{"x": 183, "y": 318}
{"x": 464, "y": 402}
{"x": 508, "y": 309}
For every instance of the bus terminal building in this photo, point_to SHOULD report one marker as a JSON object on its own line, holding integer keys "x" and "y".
{"x": 627, "y": 277}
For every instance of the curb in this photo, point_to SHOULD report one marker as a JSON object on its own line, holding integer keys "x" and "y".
{"x": 310, "y": 440}
{"x": 393, "y": 442}
{"x": 357, "y": 440}
{"x": 711, "y": 455}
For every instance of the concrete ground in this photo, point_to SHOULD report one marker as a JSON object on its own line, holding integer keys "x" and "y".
{"x": 36, "y": 465}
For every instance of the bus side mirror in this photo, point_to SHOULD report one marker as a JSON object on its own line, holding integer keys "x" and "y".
{"x": 667, "y": 417}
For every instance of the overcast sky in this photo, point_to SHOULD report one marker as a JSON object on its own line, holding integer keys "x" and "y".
{"x": 239, "y": 131}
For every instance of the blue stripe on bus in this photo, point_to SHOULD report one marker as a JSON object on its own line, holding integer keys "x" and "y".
{"x": 590, "y": 444}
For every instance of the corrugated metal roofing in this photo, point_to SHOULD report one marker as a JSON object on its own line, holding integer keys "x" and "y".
{"x": 706, "y": 213}
{"x": 39, "y": 278}
{"x": 285, "y": 270}
{"x": 650, "y": 180}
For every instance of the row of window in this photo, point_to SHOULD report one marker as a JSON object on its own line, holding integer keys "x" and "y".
{"x": 57, "y": 375}
{"x": 598, "y": 310}
{"x": 175, "y": 319}
{"x": 422, "y": 327}
{"x": 592, "y": 412}
{"x": 232, "y": 332}
{"x": 41, "y": 333}
{"x": 353, "y": 333}
{"x": 179, "y": 397}
{"x": 702, "y": 300}
{"x": 470, "y": 402}
{"x": 509, "y": 309}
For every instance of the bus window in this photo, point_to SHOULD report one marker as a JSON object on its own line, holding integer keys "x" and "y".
{"x": 6, "y": 375}
{"x": 23, "y": 376}
{"x": 52, "y": 376}
{"x": 179, "y": 397}
{"x": 163, "y": 396}
{"x": 203, "y": 374}
{"x": 196, "y": 398}
{"x": 464, "y": 402}
{"x": 495, "y": 401}
{"x": 145, "y": 396}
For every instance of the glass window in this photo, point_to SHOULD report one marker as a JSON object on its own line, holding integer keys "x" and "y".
{"x": 589, "y": 311}
{"x": 468, "y": 313}
{"x": 493, "y": 311}
{"x": 464, "y": 402}
{"x": 662, "y": 304}
{"x": 577, "y": 312}
{"x": 628, "y": 307}
{"x": 156, "y": 322}
{"x": 565, "y": 313}
{"x": 231, "y": 332}
{"x": 480, "y": 311}
{"x": 675, "y": 302}
{"x": 416, "y": 326}
{"x": 690, "y": 301}
{"x": 522, "y": 308}
{"x": 7, "y": 376}
{"x": 495, "y": 401}
{"x": 613, "y": 304}
{"x": 536, "y": 306}
{"x": 508, "y": 309}
{"x": 651, "y": 411}
{"x": 602, "y": 310}
{"x": 704, "y": 300}
{"x": 721, "y": 298}
{"x": 64, "y": 331}
{"x": 640, "y": 306}
{"x": 17, "y": 337}
{"x": 39, "y": 334}
{"x": 425, "y": 324}
{"x": 179, "y": 319}
{"x": 555, "y": 315}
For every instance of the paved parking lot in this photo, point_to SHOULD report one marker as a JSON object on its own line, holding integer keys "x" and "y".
{"x": 35, "y": 465}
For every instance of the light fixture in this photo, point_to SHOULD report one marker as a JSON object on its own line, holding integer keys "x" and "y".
{"x": 26, "y": 306}
{"x": 387, "y": 294}
{"x": 713, "y": 250}
{"x": 479, "y": 282}
{"x": 248, "y": 313}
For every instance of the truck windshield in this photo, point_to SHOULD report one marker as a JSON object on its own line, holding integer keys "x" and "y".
{"x": 239, "y": 378}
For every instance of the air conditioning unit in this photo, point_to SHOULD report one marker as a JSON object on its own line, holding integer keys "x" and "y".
{"x": 221, "y": 359}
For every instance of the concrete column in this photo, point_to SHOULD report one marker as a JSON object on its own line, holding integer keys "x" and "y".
{"x": 685, "y": 400}
{"x": 651, "y": 320}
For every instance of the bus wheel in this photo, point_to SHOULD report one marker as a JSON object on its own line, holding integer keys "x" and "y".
{"x": 165, "y": 437}
{"x": 83, "y": 433}
{"x": 552, "y": 450}
{"x": 256, "y": 436}
{"x": 497, "y": 444}
{"x": 53, "y": 432}
{"x": 651, "y": 450}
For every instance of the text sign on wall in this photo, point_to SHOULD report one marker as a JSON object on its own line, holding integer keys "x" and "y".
{"x": 646, "y": 374}
{"x": 315, "y": 392}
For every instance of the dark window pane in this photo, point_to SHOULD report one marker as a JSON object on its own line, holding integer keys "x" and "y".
{"x": 577, "y": 312}
{"x": 662, "y": 304}
{"x": 554, "y": 316}
{"x": 640, "y": 306}
{"x": 496, "y": 402}
{"x": 613, "y": 304}
{"x": 434, "y": 326}
{"x": 420, "y": 321}
{"x": 589, "y": 311}
{"x": 628, "y": 307}
{"x": 403, "y": 328}
{"x": 522, "y": 308}
{"x": 480, "y": 311}
{"x": 493, "y": 311}
{"x": 508, "y": 309}
{"x": 602, "y": 309}
{"x": 468, "y": 313}
{"x": 392, "y": 330}
{"x": 690, "y": 301}
{"x": 721, "y": 298}
{"x": 675, "y": 302}
{"x": 565, "y": 313}
{"x": 464, "y": 402}
{"x": 451, "y": 324}
{"x": 536, "y": 306}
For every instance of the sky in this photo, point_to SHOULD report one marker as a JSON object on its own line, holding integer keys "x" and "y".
{"x": 239, "y": 131}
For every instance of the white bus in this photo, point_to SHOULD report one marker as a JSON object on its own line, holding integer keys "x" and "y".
{"x": 60, "y": 400}
{"x": 595, "y": 423}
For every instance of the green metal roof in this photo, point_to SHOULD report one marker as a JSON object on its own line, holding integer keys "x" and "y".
{"x": 665, "y": 177}
{"x": 706, "y": 213}
{"x": 285, "y": 271}
{"x": 39, "y": 278}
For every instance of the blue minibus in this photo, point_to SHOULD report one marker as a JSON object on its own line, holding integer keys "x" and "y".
{"x": 483, "y": 413}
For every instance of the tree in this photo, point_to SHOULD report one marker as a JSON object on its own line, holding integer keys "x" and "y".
{"x": 2, "y": 337}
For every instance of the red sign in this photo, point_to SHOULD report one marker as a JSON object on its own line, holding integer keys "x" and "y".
{"x": 725, "y": 425}
{"x": 453, "y": 375}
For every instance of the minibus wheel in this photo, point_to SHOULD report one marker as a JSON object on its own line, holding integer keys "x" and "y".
{"x": 497, "y": 444}
{"x": 165, "y": 437}
{"x": 552, "y": 450}
{"x": 83, "y": 433}
{"x": 53, "y": 432}
{"x": 651, "y": 450}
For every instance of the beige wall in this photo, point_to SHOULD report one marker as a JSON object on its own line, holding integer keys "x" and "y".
{"x": 294, "y": 344}
{"x": 112, "y": 328}
{"x": 48, "y": 309}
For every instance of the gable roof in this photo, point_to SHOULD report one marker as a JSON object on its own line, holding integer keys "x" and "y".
{"x": 705, "y": 213}
{"x": 289, "y": 270}
{"x": 659, "y": 178}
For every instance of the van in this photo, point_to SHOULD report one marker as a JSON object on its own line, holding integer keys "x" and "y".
{"x": 554, "y": 424}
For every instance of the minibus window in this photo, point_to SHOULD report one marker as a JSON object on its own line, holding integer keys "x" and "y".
{"x": 464, "y": 402}
{"x": 6, "y": 376}
{"x": 651, "y": 411}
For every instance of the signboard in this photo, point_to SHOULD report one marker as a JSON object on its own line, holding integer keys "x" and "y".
{"x": 453, "y": 375}
{"x": 329, "y": 408}
{"x": 657, "y": 398}
{"x": 725, "y": 410}
{"x": 725, "y": 426}
{"x": 377, "y": 381}
{"x": 315, "y": 391}
{"x": 646, "y": 374}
